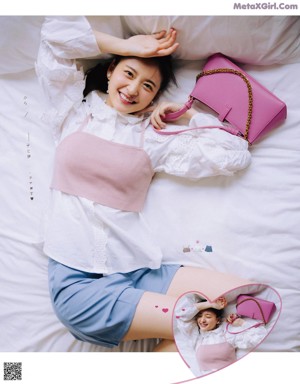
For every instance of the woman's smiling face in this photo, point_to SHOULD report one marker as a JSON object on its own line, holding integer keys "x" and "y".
{"x": 133, "y": 84}
{"x": 207, "y": 320}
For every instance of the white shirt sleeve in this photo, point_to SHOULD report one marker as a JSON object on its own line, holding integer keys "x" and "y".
{"x": 199, "y": 153}
{"x": 64, "y": 39}
{"x": 248, "y": 337}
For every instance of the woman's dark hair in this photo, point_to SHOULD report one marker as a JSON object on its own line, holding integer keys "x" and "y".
{"x": 96, "y": 77}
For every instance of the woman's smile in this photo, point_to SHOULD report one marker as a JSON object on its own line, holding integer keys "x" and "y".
{"x": 126, "y": 99}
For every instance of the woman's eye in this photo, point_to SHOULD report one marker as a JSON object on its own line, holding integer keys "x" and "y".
{"x": 148, "y": 86}
{"x": 129, "y": 73}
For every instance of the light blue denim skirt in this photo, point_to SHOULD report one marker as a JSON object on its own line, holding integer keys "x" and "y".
{"x": 99, "y": 309}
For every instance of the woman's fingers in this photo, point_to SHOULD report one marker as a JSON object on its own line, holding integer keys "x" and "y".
{"x": 159, "y": 35}
{"x": 153, "y": 45}
{"x": 167, "y": 42}
{"x": 221, "y": 302}
{"x": 158, "y": 115}
{"x": 168, "y": 51}
{"x": 156, "y": 120}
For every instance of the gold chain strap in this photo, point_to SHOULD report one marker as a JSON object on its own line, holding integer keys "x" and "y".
{"x": 249, "y": 87}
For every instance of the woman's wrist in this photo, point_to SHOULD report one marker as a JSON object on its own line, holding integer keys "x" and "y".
{"x": 110, "y": 44}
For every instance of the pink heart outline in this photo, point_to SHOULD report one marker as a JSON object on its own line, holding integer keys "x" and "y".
{"x": 250, "y": 289}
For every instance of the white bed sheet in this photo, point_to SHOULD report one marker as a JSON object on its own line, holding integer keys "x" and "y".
{"x": 247, "y": 224}
{"x": 251, "y": 221}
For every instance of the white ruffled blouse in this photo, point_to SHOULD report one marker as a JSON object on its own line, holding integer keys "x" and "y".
{"x": 88, "y": 236}
{"x": 247, "y": 338}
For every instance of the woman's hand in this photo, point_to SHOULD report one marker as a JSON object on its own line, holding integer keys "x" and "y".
{"x": 235, "y": 320}
{"x": 166, "y": 107}
{"x": 157, "y": 44}
{"x": 220, "y": 303}
{"x": 160, "y": 111}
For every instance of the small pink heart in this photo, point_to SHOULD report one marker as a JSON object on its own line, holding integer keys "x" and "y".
{"x": 222, "y": 347}
{"x": 165, "y": 310}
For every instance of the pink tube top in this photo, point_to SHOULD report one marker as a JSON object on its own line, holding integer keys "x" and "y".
{"x": 108, "y": 173}
{"x": 212, "y": 357}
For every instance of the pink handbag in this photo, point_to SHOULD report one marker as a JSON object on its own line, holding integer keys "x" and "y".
{"x": 248, "y": 106}
{"x": 254, "y": 308}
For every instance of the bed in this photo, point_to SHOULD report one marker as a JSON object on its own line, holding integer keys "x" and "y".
{"x": 247, "y": 224}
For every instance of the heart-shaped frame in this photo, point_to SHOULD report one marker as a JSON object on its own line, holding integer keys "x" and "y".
{"x": 207, "y": 351}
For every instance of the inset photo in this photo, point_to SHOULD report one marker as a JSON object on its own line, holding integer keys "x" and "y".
{"x": 212, "y": 334}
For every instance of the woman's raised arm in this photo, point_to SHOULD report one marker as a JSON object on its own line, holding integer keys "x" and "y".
{"x": 157, "y": 44}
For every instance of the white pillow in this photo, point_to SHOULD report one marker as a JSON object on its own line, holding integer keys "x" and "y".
{"x": 250, "y": 39}
{"x": 20, "y": 39}
{"x": 19, "y": 42}
{"x": 107, "y": 24}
